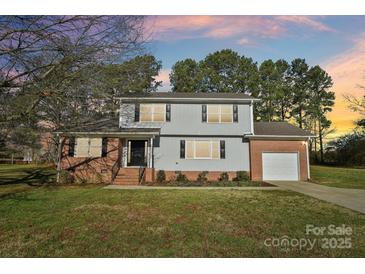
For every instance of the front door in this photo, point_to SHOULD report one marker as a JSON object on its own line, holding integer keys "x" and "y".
{"x": 137, "y": 153}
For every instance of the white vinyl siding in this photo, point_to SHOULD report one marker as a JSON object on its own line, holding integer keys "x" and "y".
{"x": 152, "y": 112}
{"x": 220, "y": 113}
{"x": 202, "y": 149}
{"x": 88, "y": 147}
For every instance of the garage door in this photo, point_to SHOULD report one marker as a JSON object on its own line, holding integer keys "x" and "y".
{"x": 280, "y": 166}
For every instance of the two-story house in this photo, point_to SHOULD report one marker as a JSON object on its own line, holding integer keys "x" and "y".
{"x": 187, "y": 133}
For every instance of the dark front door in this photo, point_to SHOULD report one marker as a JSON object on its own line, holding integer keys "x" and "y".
{"x": 137, "y": 155}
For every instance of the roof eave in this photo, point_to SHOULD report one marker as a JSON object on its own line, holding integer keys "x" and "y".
{"x": 167, "y": 99}
{"x": 282, "y": 137}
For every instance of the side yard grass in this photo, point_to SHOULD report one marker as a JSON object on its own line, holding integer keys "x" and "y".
{"x": 338, "y": 177}
{"x": 18, "y": 178}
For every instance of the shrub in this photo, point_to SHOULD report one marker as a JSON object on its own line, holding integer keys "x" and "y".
{"x": 202, "y": 177}
{"x": 181, "y": 178}
{"x": 161, "y": 176}
{"x": 242, "y": 176}
{"x": 224, "y": 177}
{"x": 66, "y": 177}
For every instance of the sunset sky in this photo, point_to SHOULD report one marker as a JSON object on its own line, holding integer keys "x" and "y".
{"x": 337, "y": 43}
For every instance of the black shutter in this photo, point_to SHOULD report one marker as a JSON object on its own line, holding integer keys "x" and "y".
{"x": 204, "y": 113}
{"x": 104, "y": 147}
{"x": 71, "y": 147}
{"x": 156, "y": 141}
{"x": 223, "y": 149}
{"x": 182, "y": 149}
{"x": 235, "y": 113}
{"x": 136, "y": 112}
{"x": 168, "y": 113}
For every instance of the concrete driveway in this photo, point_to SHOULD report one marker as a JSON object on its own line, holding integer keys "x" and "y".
{"x": 351, "y": 198}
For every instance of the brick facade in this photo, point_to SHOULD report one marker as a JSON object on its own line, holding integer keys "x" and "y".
{"x": 257, "y": 147}
{"x": 92, "y": 169}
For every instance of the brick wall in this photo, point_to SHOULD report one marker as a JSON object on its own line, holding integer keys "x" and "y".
{"x": 92, "y": 169}
{"x": 257, "y": 147}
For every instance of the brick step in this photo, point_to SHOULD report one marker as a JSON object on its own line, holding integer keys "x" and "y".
{"x": 125, "y": 182}
{"x": 128, "y": 182}
{"x": 127, "y": 175}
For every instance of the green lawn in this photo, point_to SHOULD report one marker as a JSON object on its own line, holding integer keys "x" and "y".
{"x": 89, "y": 221}
{"x": 338, "y": 177}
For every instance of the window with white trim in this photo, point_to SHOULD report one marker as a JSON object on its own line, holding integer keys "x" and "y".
{"x": 152, "y": 112}
{"x": 88, "y": 147}
{"x": 220, "y": 113}
{"x": 202, "y": 149}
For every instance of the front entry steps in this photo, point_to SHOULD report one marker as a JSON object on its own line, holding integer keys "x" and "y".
{"x": 127, "y": 176}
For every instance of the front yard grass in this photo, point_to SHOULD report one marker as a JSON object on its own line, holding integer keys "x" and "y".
{"x": 338, "y": 177}
{"x": 88, "y": 221}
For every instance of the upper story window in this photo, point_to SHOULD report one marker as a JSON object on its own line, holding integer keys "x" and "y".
{"x": 152, "y": 113}
{"x": 220, "y": 113}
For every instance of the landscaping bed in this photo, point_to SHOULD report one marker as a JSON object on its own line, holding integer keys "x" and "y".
{"x": 241, "y": 180}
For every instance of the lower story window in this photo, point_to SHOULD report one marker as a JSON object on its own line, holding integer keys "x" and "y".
{"x": 202, "y": 149}
{"x": 88, "y": 147}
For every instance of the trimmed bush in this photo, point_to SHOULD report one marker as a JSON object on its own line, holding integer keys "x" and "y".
{"x": 161, "y": 176}
{"x": 202, "y": 177}
{"x": 224, "y": 177}
{"x": 181, "y": 178}
{"x": 242, "y": 176}
{"x": 66, "y": 177}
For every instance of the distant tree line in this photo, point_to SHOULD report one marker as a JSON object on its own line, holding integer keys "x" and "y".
{"x": 293, "y": 92}
{"x": 349, "y": 149}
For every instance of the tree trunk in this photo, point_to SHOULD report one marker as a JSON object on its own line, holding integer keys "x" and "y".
{"x": 315, "y": 143}
{"x": 320, "y": 140}
{"x": 59, "y": 157}
{"x": 300, "y": 117}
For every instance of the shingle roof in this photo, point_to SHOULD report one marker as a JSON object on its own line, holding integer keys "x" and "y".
{"x": 188, "y": 95}
{"x": 108, "y": 125}
{"x": 279, "y": 129}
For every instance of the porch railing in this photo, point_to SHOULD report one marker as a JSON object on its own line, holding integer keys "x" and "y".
{"x": 141, "y": 173}
{"x": 116, "y": 166}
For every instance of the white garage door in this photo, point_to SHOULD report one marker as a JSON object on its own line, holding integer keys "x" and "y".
{"x": 280, "y": 166}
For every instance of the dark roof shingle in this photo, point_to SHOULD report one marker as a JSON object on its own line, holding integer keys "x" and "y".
{"x": 279, "y": 129}
{"x": 188, "y": 95}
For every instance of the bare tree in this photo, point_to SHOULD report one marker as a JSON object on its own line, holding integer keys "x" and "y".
{"x": 33, "y": 46}
{"x": 44, "y": 57}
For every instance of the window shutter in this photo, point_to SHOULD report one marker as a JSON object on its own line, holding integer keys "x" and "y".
{"x": 235, "y": 113}
{"x": 71, "y": 147}
{"x": 136, "y": 112}
{"x": 204, "y": 113}
{"x": 168, "y": 112}
{"x": 223, "y": 149}
{"x": 182, "y": 149}
{"x": 104, "y": 147}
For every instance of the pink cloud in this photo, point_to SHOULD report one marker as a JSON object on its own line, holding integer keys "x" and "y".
{"x": 219, "y": 27}
{"x": 305, "y": 21}
{"x": 164, "y": 76}
{"x": 245, "y": 42}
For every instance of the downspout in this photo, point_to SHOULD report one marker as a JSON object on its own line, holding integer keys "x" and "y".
{"x": 249, "y": 142}
{"x": 307, "y": 152}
